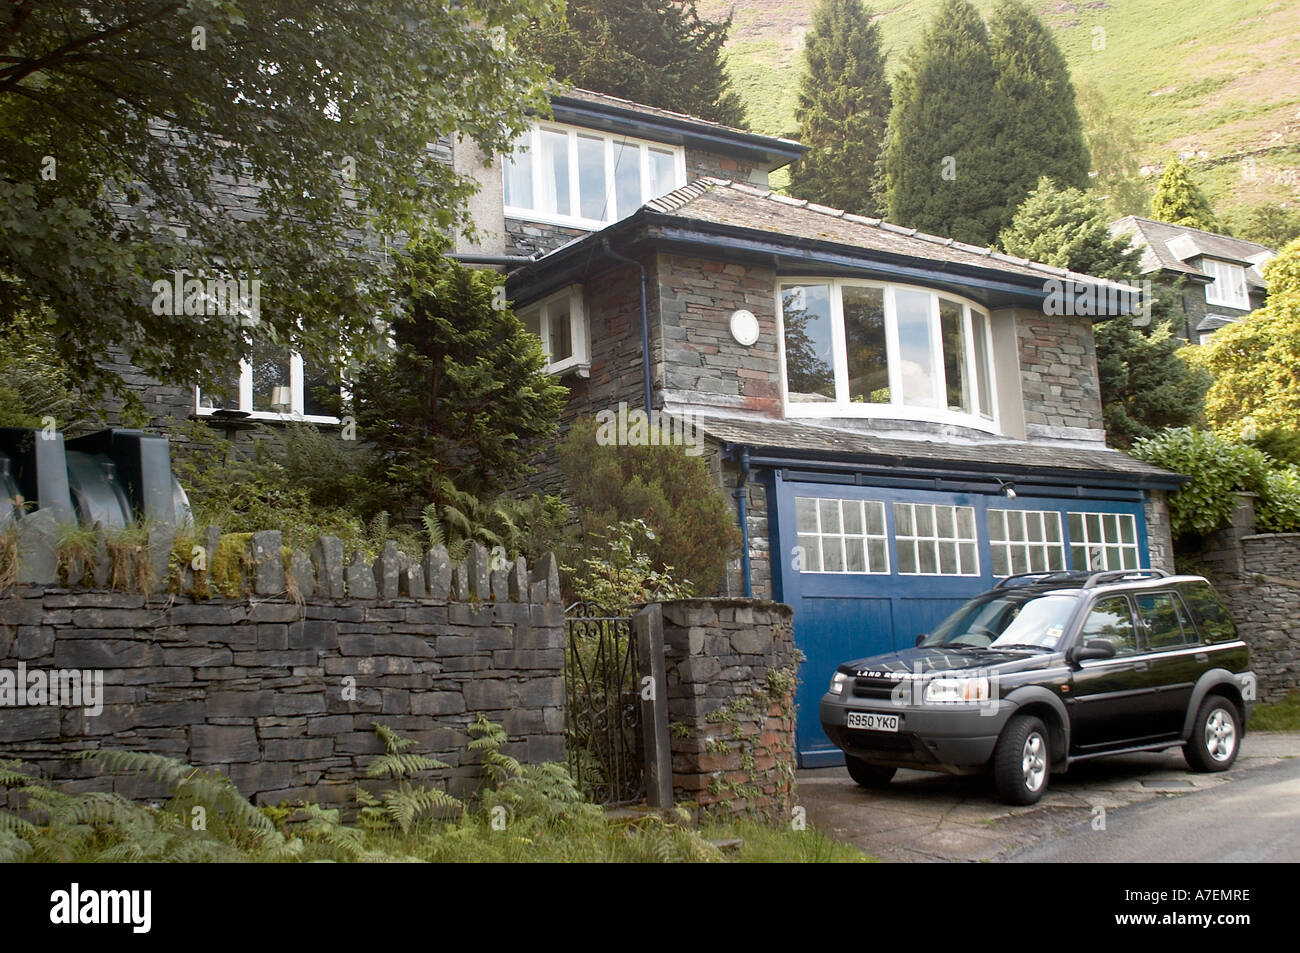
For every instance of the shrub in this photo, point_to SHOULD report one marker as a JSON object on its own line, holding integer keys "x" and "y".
{"x": 691, "y": 525}
{"x": 622, "y": 574}
{"x": 1218, "y": 469}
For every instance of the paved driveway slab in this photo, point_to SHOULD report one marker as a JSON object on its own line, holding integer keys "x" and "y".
{"x": 934, "y": 817}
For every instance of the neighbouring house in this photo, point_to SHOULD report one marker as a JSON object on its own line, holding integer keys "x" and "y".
{"x": 1222, "y": 278}
{"x": 901, "y": 419}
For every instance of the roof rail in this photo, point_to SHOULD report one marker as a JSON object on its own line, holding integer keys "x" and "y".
{"x": 1100, "y": 578}
{"x": 1022, "y": 578}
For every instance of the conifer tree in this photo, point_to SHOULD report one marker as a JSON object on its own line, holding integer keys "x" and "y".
{"x": 1035, "y": 117}
{"x": 1179, "y": 201}
{"x": 942, "y": 162}
{"x": 657, "y": 52}
{"x": 843, "y": 109}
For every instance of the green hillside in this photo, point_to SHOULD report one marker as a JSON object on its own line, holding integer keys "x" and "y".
{"x": 1216, "y": 82}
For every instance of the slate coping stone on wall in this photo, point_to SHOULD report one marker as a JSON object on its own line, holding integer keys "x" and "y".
{"x": 361, "y": 579}
{"x": 268, "y": 562}
{"x": 327, "y": 557}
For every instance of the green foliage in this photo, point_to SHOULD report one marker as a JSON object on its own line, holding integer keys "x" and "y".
{"x": 530, "y": 526}
{"x": 1277, "y": 716}
{"x": 1178, "y": 200}
{"x": 1069, "y": 228}
{"x": 657, "y": 52}
{"x": 406, "y": 801}
{"x": 1146, "y": 385}
{"x": 1256, "y": 361}
{"x": 1270, "y": 224}
{"x": 1037, "y": 123}
{"x": 463, "y": 394}
{"x": 1218, "y": 468}
{"x": 34, "y": 384}
{"x": 1115, "y": 152}
{"x": 942, "y": 160}
{"x": 1280, "y": 443}
{"x": 338, "y": 131}
{"x": 843, "y": 109}
{"x": 692, "y": 522}
{"x": 620, "y": 574}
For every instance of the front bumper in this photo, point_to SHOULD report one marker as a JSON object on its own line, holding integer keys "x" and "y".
{"x": 956, "y": 738}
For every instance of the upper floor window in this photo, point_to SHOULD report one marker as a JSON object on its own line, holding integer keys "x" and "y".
{"x": 274, "y": 385}
{"x": 561, "y": 323}
{"x": 858, "y": 349}
{"x": 579, "y": 177}
{"x": 1229, "y": 285}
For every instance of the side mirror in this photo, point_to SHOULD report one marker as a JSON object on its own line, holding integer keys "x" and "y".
{"x": 1095, "y": 649}
{"x": 921, "y": 638}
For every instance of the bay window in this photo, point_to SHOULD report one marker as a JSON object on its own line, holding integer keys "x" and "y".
{"x": 856, "y": 348}
{"x": 580, "y": 177}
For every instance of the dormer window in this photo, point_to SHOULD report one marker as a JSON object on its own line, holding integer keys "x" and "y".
{"x": 1229, "y": 285}
{"x": 569, "y": 176}
{"x": 866, "y": 349}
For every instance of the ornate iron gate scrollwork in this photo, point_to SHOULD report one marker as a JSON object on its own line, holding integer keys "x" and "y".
{"x": 602, "y": 714}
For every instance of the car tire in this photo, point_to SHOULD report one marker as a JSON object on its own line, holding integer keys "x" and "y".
{"x": 1022, "y": 761}
{"x": 1216, "y": 736}
{"x": 868, "y": 775}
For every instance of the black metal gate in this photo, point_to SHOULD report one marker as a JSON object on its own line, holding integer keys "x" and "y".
{"x": 602, "y": 715}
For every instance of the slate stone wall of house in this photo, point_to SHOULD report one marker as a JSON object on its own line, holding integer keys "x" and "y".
{"x": 1058, "y": 375}
{"x": 1160, "y": 543}
{"x": 701, "y": 164}
{"x": 701, "y": 358}
{"x": 1258, "y": 576}
{"x": 731, "y": 668}
{"x": 531, "y": 238}
{"x": 280, "y": 693}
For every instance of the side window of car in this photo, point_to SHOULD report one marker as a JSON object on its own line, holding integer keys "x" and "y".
{"x": 1211, "y": 616}
{"x": 1111, "y": 620}
{"x": 1162, "y": 614}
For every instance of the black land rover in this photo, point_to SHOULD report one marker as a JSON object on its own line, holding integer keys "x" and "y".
{"x": 1047, "y": 669}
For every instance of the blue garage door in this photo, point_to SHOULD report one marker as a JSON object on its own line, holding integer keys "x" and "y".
{"x": 868, "y": 569}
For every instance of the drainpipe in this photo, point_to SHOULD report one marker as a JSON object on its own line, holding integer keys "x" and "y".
{"x": 503, "y": 260}
{"x": 645, "y": 322}
{"x": 743, "y": 515}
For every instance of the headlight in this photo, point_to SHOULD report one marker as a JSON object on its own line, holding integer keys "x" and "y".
{"x": 957, "y": 690}
{"x": 838, "y": 681}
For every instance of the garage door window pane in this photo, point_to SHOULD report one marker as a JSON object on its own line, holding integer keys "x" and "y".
{"x": 1103, "y": 541}
{"x": 838, "y": 535}
{"x": 935, "y": 539}
{"x": 1025, "y": 541}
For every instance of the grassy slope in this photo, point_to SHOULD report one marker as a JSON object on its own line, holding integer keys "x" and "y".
{"x": 1218, "y": 81}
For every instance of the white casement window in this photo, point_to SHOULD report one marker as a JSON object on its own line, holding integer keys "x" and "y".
{"x": 865, "y": 349}
{"x": 1229, "y": 285}
{"x": 1103, "y": 541}
{"x": 273, "y": 385}
{"x": 846, "y": 536}
{"x": 579, "y": 177}
{"x": 561, "y": 322}
{"x": 1025, "y": 541}
{"x": 935, "y": 540}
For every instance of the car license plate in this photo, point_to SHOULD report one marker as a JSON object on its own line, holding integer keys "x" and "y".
{"x": 871, "y": 721}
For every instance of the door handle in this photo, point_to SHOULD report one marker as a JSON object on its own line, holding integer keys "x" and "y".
{"x": 1140, "y": 666}
{"x": 1202, "y": 656}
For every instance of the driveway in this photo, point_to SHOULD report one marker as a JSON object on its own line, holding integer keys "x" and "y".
{"x": 923, "y": 817}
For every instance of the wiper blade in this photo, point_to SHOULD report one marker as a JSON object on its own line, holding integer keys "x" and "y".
{"x": 1021, "y": 645}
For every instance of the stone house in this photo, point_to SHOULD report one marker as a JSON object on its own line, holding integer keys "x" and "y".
{"x": 1222, "y": 280}
{"x": 901, "y": 419}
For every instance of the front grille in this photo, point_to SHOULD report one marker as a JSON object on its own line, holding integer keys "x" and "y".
{"x": 864, "y": 687}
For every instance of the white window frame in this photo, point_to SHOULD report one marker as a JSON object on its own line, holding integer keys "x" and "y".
{"x": 865, "y": 536}
{"x": 612, "y": 214}
{"x": 1090, "y": 545}
{"x": 935, "y": 539}
{"x": 245, "y": 402}
{"x": 1228, "y": 288}
{"x": 1026, "y": 545}
{"x": 579, "y": 332}
{"x": 842, "y": 406}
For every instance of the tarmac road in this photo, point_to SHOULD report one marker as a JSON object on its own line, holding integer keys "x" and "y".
{"x": 1255, "y": 819}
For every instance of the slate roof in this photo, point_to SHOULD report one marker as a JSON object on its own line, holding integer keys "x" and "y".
{"x": 1189, "y": 243}
{"x": 724, "y": 202}
{"x": 602, "y": 99}
{"x": 1011, "y": 455}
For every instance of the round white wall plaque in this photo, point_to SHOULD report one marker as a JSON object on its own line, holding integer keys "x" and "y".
{"x": 744, "y": 327}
